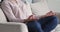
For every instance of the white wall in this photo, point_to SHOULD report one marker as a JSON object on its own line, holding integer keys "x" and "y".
{"x": 54, "y": 5}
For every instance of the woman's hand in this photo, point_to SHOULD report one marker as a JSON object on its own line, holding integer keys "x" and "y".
{"x": 31, "y": 18}
{"x": 51, "y": 13}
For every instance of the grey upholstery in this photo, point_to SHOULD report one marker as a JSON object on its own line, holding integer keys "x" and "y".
{"x": 13, "y": 27}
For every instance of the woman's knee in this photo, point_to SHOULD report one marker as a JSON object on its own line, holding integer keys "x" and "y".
{"x": 54, "y": 22}
{"x": 55, "y": 19}
{"x": 51, "y": 23}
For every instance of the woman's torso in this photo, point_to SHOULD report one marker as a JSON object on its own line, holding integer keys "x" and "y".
{"x": 20, "y": 9}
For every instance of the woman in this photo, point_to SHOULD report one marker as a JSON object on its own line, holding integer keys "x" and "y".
{"x": 19, "y": 11}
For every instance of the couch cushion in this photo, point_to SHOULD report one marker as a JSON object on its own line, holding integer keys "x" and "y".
{"x": 2, "y": 16}
{"x": 40, "y": 8}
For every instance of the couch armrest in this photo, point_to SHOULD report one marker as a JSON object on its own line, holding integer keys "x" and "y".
{"x": 13, "y": 27}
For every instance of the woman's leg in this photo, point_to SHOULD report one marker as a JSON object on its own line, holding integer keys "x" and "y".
{"x": 49, "y": 23}
{"x": 34, "y": 27}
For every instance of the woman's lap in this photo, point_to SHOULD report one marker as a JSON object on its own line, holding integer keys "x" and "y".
{"x": 43, "y": 24}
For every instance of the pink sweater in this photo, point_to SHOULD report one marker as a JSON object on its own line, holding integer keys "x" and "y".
{"x": 16, "y": 12}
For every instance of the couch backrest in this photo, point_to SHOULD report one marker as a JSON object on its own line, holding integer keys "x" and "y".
{"x": 2, "y": 16}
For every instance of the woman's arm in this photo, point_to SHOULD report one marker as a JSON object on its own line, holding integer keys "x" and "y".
{"x": 8, "y": 11}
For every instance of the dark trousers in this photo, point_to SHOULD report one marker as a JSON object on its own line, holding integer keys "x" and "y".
{"x": 43, "y": 25}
